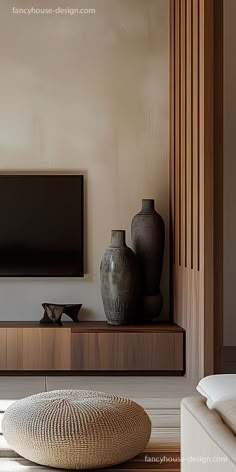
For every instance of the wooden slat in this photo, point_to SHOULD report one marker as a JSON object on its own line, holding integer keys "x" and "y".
{"x": 189, "y": 131}
{"x": 195, "y": 134}
{"x": 206, "y": 136}
{"x": 183, "y": 134}
{"x": 177, "y": 131}
{"x": 172, "y": 133}
{"x": 218, "y": 189}
{"x": 202, "y": 190}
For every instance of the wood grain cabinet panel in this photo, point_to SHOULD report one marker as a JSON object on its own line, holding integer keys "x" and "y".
{"x": 12, "y": 348}
{"x": 3, "y": 348}
{"x": 91, "y": 348}
{"x": 38, "y": 349}
{"x": 127, "y": 351}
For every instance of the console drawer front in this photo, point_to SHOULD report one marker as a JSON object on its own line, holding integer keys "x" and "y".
{"x": 127, "y": 351}
{"x": 38, "y": 349}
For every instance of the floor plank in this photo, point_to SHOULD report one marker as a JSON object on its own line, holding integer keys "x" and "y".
{"x": 138, "y": 387}
{"x": 162, "y": 461}
{"x": 164, "y": 418}
{"x": 22, "y": 465}
{"x": 12, "y": 387}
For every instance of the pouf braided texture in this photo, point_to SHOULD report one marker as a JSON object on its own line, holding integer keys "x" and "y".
{"x": 76, "y": 429}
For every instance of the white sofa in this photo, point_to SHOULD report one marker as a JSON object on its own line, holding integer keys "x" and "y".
{"x": 208, "y": 426}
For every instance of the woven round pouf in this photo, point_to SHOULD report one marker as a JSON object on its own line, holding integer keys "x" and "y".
{"x": 76, "y": 429}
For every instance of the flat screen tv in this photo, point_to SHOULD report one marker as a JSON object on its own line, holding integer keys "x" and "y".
{"x": 41, "y": 225}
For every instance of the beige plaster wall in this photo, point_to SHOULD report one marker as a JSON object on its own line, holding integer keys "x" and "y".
{"x": 86, "y": 93}
{"x": 229, "y": 172}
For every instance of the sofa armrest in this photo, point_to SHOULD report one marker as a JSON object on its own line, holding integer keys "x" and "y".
{"x": 207, "y": 444}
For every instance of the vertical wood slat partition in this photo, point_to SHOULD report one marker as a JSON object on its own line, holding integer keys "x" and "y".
{"x": 195, "y": 167}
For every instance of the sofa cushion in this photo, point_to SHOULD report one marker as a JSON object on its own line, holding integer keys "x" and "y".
{"x": 227, "y": 410}
{"x": 217, "y": 388}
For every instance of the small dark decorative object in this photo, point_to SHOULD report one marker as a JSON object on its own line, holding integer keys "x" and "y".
{"x": 119, "y": 281}
{"x": 53, "y": 312}
{"x": 148, "y": 238}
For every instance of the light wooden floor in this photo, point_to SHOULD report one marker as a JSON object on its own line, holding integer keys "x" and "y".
{"x": 159, "y": 396}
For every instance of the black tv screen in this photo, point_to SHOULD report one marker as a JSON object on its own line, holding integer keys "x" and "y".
{"x": 41, "y": 225}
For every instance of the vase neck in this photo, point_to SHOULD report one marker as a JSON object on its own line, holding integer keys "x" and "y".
{"x": 148, "y": 205}
{"x": 118, "y": 238}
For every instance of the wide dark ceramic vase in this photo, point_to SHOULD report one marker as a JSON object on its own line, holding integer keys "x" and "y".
{"x": 119, "y": 277}
{"x": 148, "y": 239}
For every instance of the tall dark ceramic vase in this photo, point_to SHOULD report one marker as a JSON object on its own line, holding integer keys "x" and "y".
{"x": 119, "y": 278}
{"x": 148, "y": 239}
